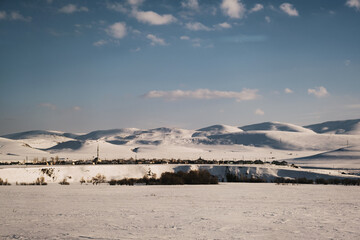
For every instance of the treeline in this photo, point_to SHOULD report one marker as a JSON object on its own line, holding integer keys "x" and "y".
{"x": 230, "y": 177}
{"x": 60, "y": 161}
{"x": 333, "y": 181}
{"x": 169, "y": 178}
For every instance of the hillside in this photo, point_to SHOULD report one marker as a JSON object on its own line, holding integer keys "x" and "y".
{"x": 265, "y": 141}
{"x": 337, "y": 127}
{"x": 275, "y": 126}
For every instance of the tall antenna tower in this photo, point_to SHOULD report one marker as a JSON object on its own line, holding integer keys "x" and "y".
{"x": 97, "y": 159}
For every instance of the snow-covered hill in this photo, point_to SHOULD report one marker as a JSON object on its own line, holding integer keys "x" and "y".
{"x": 337, "y": 127}
{"x": 275, "y": 126}
{"x": 265, "y": 141}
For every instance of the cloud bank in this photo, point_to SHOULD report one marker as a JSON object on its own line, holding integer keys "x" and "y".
{"x": 205, "y": 94}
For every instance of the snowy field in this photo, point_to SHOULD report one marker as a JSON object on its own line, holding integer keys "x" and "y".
{"x": 224, "y": 211}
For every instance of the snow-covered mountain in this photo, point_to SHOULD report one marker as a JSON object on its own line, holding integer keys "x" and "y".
{"x": 268, "y": 140}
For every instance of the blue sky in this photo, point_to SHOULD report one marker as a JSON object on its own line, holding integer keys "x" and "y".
{"x": 85, "y": 65}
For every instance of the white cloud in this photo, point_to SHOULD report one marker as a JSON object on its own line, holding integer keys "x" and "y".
{"x": 353, "y": 4}
{"x": 153, "y": 18}
{"x": 185, "y": 38}
{"x": 319, "y": 92}
{"x": 14, "y": 16}
{"x": 48, "y": 105}
{"x": 223, "y": 25}
{"x": 100, "y": 43}
{"x": 117, "y": 30}
{"x": 256, "y": 8}
{"x": 192, "y": 4}
{"x": 244, "y": 95}
{"x": 267, "y": 19}
{"x": 289, "y": 9}
{"x": 259, "y": 112}
{"x": 156, "y": 40}
{"x": 197, "y": 26}
{"x": 135, "y": 3}
{"x": 233, "y": 8}
{"x": 71, "y": 8}
{"x": 288, "y": 90}
{"x": 117, "y": 7}
{"x": 2, "y": 15}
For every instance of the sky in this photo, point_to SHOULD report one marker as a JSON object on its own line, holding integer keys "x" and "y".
{"x": 79, "y": 66}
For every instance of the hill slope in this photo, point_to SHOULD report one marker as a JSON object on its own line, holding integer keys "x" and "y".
{"x": 337, "y": 127}
{"x": 275, "y": 126}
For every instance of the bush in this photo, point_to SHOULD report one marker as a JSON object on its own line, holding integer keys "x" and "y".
{"x": 40, "y": 181}
{"x": 98, "y": 179}
{"x": 64, "y": 182}
{"x": 82, "y": 180}
{"x": 4, "y": 183}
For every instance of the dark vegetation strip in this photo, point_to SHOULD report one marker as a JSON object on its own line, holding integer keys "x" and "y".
{"x": 230, "y": 177}
{"x": 169, "y": 178}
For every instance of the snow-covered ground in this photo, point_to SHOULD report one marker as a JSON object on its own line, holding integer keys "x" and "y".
{"x": 224, "y": 211}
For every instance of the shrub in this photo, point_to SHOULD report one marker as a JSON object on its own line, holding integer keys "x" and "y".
{"x": 64, "y": 182}
{"x": 40, "y": 181}
{"x": 82, "y": 180}
{"x": 98, "y": 179}
{"x": 4, "y": 183}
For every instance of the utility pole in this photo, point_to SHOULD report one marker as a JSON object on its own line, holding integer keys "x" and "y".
{"x": 98, "y": 152}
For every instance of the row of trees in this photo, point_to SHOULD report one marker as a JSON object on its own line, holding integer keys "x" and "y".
{"x": 169, "y": 178}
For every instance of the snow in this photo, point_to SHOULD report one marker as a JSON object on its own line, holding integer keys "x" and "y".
{"x": 73, "y": 173}
{"x": 265, "y": 141}
{"x": 351, "y": 127}
{"x": 275, "y": 126}
{"x": 224, "y": 211}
